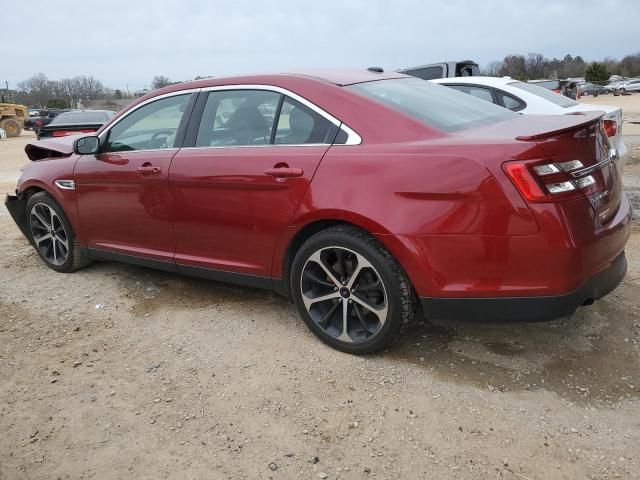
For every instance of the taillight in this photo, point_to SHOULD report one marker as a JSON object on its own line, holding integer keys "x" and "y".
{"x": 38, "y": 123}
{"x": 64, "y": 133}
{"x": 548, "y": 181}
{"x": 610, "y": 127}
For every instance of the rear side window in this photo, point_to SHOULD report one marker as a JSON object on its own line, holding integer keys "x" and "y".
{"x": 434, "y": 105}
{"x": 260, "y": 117}
{"x": 478, "y": 92}
{"x": 426, "y": 73}
{"x": 299, "y": 125}
{"x": 237, "y": 118}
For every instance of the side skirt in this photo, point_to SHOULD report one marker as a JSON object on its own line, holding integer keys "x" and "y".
{"x": 265, "y": 283}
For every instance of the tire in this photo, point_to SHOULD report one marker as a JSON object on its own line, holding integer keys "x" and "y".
{"x": 11, "y": 126}
{"x": 623, "y": 91}
{"x": 43, "y": 213}
{"x": 378, "y": 302}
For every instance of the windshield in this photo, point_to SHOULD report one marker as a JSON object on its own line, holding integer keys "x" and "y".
{"x": 435, "y": 105}
{"x": 556, "y": 98}
{"x": 79, "y": 118}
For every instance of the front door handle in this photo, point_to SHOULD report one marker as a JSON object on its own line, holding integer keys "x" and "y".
{"x": 149, "y": 170}
{"x": 284, "y": 172}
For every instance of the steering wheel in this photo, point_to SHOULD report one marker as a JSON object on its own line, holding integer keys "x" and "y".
{"x": 160, "y": 139}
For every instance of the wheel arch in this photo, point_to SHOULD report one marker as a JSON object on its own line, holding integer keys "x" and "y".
{"x": 296, "y": 236}
{"x": 65, "y": 199}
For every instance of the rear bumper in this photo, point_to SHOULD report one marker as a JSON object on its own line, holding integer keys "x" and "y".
{"x": 527, "y": 309}
{"x": 17, "y": 209}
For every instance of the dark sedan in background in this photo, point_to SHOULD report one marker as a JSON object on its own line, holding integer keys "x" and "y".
{"x": 45, "y": 116}
{"x": 75, "y": 121}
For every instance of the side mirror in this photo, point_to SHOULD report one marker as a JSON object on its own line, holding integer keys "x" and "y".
{"x": 87, "y": 145}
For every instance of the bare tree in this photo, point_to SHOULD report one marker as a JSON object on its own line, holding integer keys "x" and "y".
{"x": 160, "y": 81}
{"x": 492, "y": 69}
{"x": 535, "y": 64}
{"x": 87, "y": 87}
{"x": 38, "y": 89}
{"x": 514, "y": 66}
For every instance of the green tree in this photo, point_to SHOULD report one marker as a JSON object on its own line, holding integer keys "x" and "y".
{"x": 57, "y": 103}
{"x": 597, "y": 72}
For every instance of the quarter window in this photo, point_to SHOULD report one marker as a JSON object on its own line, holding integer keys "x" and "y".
{"x": 152, "y": 126}
{"x": 298, "y": 125}
{"x": 509, "y": 101}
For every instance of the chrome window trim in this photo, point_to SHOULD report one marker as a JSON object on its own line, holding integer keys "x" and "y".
{"x": 352, "y": 136}
{"x": 263, "y": 146}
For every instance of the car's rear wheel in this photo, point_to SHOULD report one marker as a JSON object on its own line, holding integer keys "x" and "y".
{"x": 52, "y": 236}
{"x": 350, "y": 291}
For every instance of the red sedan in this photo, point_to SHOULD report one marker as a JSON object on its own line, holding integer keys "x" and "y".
{"x": 359, "y": 195}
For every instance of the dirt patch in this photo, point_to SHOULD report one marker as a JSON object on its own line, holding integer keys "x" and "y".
{"x": 123, "y": 372}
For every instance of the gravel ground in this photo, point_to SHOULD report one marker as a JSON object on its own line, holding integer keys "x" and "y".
{"x": 123, "y": 372}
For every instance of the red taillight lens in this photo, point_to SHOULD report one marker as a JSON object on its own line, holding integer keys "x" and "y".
{"x": 64, "y": 133}
{"x": 610, "y": 127}
{"x": 38, "y": 123}
{"x": 547, "y": 181}
{"x": 524, "y": 181}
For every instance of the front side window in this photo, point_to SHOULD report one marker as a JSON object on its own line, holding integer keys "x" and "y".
{"x": 435, "y": 105}
{"x": 152, "y": 126}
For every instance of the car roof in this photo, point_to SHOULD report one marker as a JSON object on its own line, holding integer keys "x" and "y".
{"x": 340, "y": 77}
{"x": 481, "y": 80}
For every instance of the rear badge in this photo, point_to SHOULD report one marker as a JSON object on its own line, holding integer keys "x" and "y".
{"x": 596, "y": 197}
{"x": 604, "y": 214}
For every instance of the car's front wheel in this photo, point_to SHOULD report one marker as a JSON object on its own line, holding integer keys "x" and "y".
{"x": 51, "y": 234}
{"x": 350, "y": 291}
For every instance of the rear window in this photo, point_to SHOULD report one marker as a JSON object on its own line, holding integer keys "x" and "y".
{"x": 78, "y": 118}
{"x": 560, "y": 100}
{"x": 548, "y": 84}
{"x": 434, "y": 105}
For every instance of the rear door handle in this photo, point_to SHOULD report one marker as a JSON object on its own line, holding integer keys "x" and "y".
{"x": 284, "y": 172}
{"x": 149, "y": 170}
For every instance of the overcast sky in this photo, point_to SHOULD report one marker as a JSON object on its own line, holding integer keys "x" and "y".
{"x": 128, "y": 42}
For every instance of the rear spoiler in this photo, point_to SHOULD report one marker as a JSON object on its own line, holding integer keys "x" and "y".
{"x": 549, "y": 128}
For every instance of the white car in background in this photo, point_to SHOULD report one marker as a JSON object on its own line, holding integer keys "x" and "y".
{"x": 531, "y": 99}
